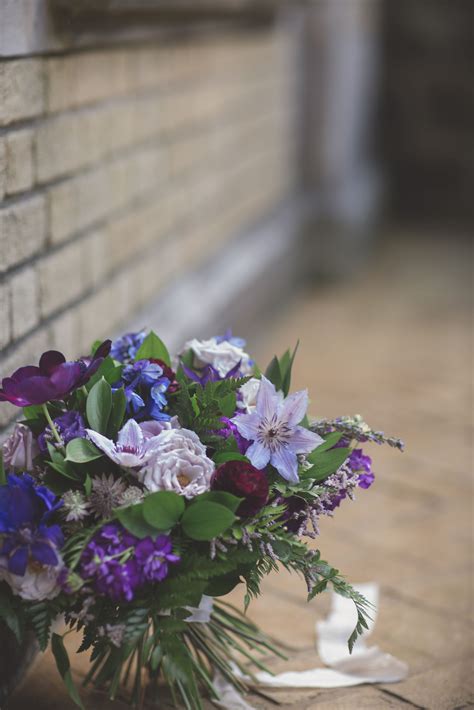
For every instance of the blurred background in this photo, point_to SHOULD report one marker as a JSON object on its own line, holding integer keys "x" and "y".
{"x": 293, "y": 170}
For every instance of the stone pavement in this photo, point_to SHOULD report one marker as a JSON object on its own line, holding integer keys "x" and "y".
{"x": 394, "y": 345}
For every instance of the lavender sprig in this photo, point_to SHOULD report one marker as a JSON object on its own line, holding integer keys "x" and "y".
{"x": 355, "y": 428}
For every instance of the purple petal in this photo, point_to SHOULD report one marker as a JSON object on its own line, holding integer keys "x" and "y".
{"x": 247, "y": 425}
{"x": 267, "y": 398}
{"x": 303, "y": 441}
{"x": 49, "y": 361}
{"x": 294, "y": 407}
{"x": 44, "y": 553}
{"x": 286, "y": 464}
{"x": 37, "y": 390}
{"x": 131, "y": 437}
{"x": 24, "y": 372}
{"x": 66, "y": 377}
{"x": 103, "y": 350}
{"x": 18, "y": 561}
{"x": 258, "y": 455}
{"x": 101, "y": 441}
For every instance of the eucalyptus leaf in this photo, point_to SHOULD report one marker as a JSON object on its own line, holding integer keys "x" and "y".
{"x": 325, "y": 463}
{"x": 132, "y": 519}
{"x": 228, "y": 500}
{"x": 206, "y": 520}
{"x": 82, "y": 451}
{"x": 224, "y": 456}
{"x": 163, "y": 509}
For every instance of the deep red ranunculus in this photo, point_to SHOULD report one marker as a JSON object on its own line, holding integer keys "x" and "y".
{"x": 245, "y": 481}
{"x": 53, "y": 378}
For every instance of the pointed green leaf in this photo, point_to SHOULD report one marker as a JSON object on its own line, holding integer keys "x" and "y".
{"x": 82, "y": 451}
{"x": 153, "y": 348}
{"x": 119, "y": 405}
{"x": 326, "y": 463}
{"x": 99, "y": 406}
{"x": 273, "y": 373}
{"x": 64, "y": 668}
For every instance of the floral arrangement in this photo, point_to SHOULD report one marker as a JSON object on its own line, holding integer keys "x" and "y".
{"x": 137, "y": 491}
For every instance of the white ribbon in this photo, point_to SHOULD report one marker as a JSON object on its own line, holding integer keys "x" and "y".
{"x": 364, "y": 665}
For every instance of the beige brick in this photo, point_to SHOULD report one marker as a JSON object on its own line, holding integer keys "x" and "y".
{"x": 24, "y": 301}
{"x": 66, "y": 333}
{"x": 5, "y": 323}
{"x": 19, "y": 161}
{"x": 88, "y": 77}
{"x": 22, "y": 230}
{"x": 3, "y": 167}
{"x": 21, "y": 90}
{"x": 61, "y": 277}
{"x": 95, "y": 258}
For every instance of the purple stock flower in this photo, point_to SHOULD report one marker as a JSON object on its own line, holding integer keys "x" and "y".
{"x": 70, "y": 426}
{"x": 118, "y": 563}
{"x": 53, "y": 378}
{"x": 153, "y": 557}
{"x": 275, "y": 432}
{"x": 24, "y": 513}
{"x": 124, "y": 349}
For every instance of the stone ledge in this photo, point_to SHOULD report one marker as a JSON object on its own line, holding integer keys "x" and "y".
{"x": 40, "y": 26}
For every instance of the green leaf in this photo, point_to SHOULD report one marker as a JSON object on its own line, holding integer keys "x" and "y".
{"x": 273, "y": 373}
{"x": 99, "y": 406}
{"x": 329, "y": 441}
{"x": 195, "y": 405}
{"x": 325, "y": 463}
{"x": 3, "y": 478}
{"x": 64, "y": 668}
{"x": 109, "y": 370}
{"x": 224, "y": 456}
{"x": 204, "y": 521}
{"x": 222, "y": 497}
{"x": 65, "y": 469}
{"x": 228, "y": 404}
{"x": 163, "y": 509}
{"x": 153, "y": 348}
{"x": 34, "y": 411}
{"x": 220, "y": 586}
{"x": 82, "y": 451}
{"x": 10, "y": 617}
{"x": 286, "y": 365}
{"x": 119, "y": 405}
{"x": 132, "y": 519}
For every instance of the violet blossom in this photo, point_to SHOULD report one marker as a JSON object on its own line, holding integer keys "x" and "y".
{"x": 69, "y": 425}
{"x": 53, "y": 378}
{"x": 275, "y": 432}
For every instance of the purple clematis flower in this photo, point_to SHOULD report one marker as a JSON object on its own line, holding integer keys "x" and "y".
{"x": 54, "y": 378}
{"x": 273, "y": 429}
{"x": 132, "y": 448}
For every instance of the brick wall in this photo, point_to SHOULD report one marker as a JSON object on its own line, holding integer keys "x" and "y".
{"x": 122, "y": 169}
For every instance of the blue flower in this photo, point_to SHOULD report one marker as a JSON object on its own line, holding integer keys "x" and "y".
{"x": 145, "y": 387}
{"x": 124, "y": 349}
{"x": 25, "y": 510}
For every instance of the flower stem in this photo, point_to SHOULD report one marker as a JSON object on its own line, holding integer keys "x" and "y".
{"x": 52, "y": 425}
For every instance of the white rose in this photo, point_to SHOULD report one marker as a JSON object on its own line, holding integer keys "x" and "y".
{"x": 180, "y": 464}
{"x": 248, "y": 395}
{"x": 20, "y": 448}
{"x": 222, "y": 356}
{"x": 39, "y": 582}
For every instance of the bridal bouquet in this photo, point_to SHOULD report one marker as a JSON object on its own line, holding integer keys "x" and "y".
{"x": 138, "y": 490}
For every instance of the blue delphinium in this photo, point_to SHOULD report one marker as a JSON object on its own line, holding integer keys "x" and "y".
{"x": 26, "y": 536}
{"x": 124, "y": 349}
{"x": 145, "y": 386}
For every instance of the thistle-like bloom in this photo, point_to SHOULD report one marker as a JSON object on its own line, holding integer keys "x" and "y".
{"x": 273, "y": 429}
{"x": 106, "y": 494}
{"x": 76, "y": 507}
{"x": 132, "y": 448}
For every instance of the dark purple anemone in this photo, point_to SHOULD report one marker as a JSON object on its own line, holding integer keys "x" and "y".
{"x": 54, "y": 378}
